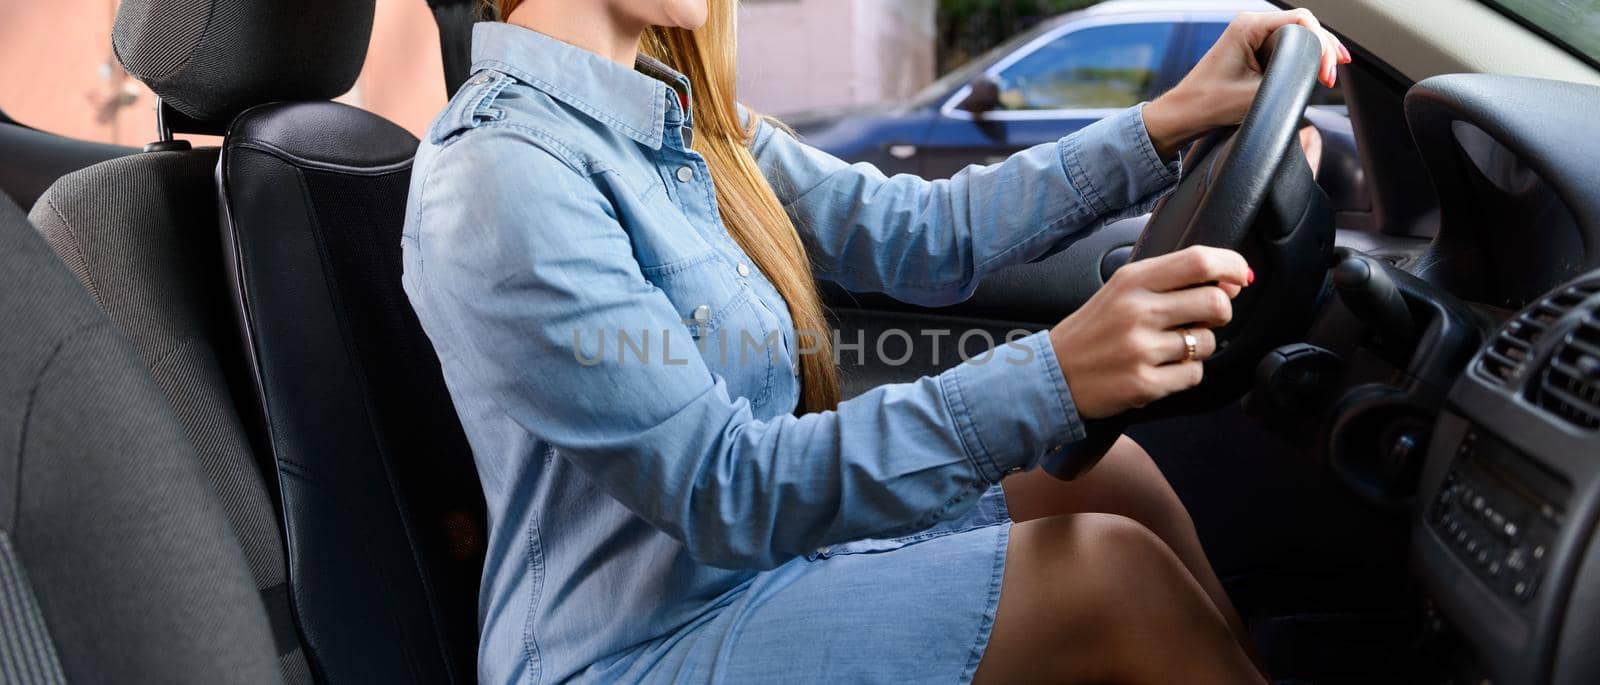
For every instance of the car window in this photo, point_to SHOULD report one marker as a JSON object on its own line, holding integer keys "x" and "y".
{"x": 1201, "y": 39}
{"x": 1575, "y": 24}
{"x": 1093, "y": 68}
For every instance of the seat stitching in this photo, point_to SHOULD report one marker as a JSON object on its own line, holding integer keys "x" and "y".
{"x": 76, "y": 244}
{"x": 28, "y": 406}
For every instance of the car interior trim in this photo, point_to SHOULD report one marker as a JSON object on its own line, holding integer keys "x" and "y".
{"x": 1421, "y": 46}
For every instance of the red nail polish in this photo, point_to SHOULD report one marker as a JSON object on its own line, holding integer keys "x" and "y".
{"x": 1345, "y": 53}
{"x": 1250, "y": 277}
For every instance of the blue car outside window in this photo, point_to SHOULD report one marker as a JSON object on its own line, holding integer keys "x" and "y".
{"x": 1100, "y": 67}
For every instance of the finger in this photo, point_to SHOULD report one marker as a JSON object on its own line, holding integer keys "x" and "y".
{"x": 1206, "y": 305}
{"x": 1190, "y": 266}
{"x": 1205, "y": 345}
{"x": 1266, "y": 23}
{"x": 1329, "y": 66}
{"x": 1173, "y": 378}
{"x": 1327, "y": 72}
{"x": 1341, "y": 54}
{"x": 1333, "y": 54}
{"x": 1311, "y": 145}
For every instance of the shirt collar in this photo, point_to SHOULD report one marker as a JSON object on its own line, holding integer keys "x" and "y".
{"x": 632, "y": 102}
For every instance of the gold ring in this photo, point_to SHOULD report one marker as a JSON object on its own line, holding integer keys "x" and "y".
{"x": 1191, "y": 345}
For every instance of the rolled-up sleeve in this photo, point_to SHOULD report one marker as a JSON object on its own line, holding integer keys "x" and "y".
{"x": 516, "y": 269}
{"x": 930, "y": 242}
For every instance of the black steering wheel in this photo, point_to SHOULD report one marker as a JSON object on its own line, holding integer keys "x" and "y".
{"x": 1248, "y": 189}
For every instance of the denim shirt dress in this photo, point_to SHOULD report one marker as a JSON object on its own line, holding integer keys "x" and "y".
{"x": 658, "y": 512}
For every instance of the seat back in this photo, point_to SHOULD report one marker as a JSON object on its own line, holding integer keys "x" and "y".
{"x": 141, "y": 235}
{"x": 381, "y": 498}
{"x": 117, "y": 562}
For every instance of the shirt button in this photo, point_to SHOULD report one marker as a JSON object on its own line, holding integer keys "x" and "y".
{"x": 701, "y": 314}
{"x": 685, "y": 174}
{"x": 744, "y": 270}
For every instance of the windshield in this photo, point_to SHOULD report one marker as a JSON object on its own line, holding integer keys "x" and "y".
{"x": 1573, "y": 23}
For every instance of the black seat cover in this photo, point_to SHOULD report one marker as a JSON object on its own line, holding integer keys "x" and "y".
{"x": 135, "y": 568}
{"x": 379, "y": 490}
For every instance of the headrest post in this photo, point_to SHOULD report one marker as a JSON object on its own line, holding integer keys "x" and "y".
{"x": 163, "y": 132}
{"x": 165, "y": 142}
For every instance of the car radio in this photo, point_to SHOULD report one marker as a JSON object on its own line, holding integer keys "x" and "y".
{"x": 1499, "y": 513}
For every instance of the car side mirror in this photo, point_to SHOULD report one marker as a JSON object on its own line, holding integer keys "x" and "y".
{"x": 983, "y": 95}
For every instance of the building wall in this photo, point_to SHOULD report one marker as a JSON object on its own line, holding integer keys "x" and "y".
{"x": 57, "y": 71}
{"x": 801, "y": 54}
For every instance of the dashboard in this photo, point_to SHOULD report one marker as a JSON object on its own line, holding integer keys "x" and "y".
{"x": 1508, "y": 492}
{"x": 1504, "y": 532}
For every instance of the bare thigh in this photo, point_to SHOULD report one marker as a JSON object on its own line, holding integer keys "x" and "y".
{"x": 1099, "y": 598}
{"x": 1128, "y": 483}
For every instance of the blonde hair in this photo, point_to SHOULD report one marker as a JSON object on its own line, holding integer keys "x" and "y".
{"x": 750, "y": 210}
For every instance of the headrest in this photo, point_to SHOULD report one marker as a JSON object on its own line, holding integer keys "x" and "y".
{"x": 211, "y": 59}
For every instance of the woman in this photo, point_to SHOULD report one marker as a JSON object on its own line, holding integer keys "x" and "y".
{"x": 615, "y": 263}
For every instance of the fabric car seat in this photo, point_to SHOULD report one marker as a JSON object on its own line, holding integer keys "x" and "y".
{"x": 117, "y": 562}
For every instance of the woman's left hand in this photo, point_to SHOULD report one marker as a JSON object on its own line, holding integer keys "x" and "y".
{"x": 1219, "y": 90}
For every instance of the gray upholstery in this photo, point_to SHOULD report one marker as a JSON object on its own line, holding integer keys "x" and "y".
{"x": 141, "y": 234}
{"x": 27, "y": 654}
{"x": 135, "y": 569}
{"x": 211, "y": 59}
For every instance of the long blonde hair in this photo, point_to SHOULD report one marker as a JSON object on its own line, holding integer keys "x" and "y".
{"x": 750, "y": 210}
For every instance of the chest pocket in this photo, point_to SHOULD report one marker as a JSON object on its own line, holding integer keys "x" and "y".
{"x": 733, "y": 331}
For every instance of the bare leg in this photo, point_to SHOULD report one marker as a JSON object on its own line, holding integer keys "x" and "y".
{"x": 1099, "y": 598}
{"x": 1127, "y": 483}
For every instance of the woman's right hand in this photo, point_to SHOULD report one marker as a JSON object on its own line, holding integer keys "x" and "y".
{"x": 1123, "y": 349}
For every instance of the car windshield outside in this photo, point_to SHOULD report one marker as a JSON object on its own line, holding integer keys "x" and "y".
{"x": 1575, "y": 23}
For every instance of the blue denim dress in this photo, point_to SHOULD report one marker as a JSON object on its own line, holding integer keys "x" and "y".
{"x": 626, "y": 377}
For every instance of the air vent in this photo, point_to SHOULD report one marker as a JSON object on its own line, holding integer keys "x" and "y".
{"x": 1570, "y": 384}
{"x": 1507, "y": 357}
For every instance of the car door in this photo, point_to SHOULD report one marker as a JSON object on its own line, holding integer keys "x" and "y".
{"x": 1064, "y": 80}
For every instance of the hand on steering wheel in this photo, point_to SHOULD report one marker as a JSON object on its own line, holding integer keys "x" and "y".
{"x": 1219, "y": 90}
{"x": 1142, "y": 337}
{"x": 1246, "y": 191}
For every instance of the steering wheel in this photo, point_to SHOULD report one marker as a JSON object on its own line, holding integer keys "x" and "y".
{"x": 1248, "y": 189}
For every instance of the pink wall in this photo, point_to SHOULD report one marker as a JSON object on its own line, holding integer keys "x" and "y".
{"x": 800, "y": 54}
{"x": 57, "y": 71}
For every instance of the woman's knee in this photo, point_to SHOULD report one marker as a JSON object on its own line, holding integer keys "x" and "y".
{"x": 1074, "y": 601}
{"x": 1103, "y": 559}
